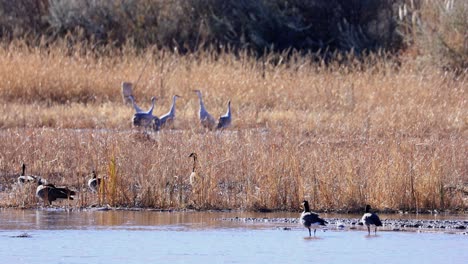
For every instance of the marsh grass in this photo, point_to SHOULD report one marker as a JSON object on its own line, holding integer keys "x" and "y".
{"x": 341, "y": 135}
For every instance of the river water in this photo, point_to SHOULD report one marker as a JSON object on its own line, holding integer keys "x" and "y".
{"x": 56, "y": 236}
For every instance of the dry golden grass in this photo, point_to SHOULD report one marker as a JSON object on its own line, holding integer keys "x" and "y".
{"x": 392, "y": 137}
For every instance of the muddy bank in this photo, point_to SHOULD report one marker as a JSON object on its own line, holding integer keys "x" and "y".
{"x": 459, "y": 226}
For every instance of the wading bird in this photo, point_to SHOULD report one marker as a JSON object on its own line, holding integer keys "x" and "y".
{"x": 94, "y": 183}
{"x": 225, "y": 120}
{"x": 50, "y": 193}
{"x": 135, "y": 106}
{"x": 311, "y": 220}
{"x": 369, "y": 219}
{"x": 170, "y": 116}
{"x": 145, "y": 119}
{"x": 206, "y": 119}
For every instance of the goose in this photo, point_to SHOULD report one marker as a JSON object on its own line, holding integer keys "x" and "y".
{"x": 225, "y": 120}
{"x": 206, "y": 119}
{"x": 369, "y": 219}
{"x": 194, "y": 178}
{"x": 94, "y": 183}
{"x": 311, "y": 220}
{"x": 169, "y": 116}
{"x": 50, "y": 193}
{"x": 144, "y": 119}
{"x": 23, "y": 179}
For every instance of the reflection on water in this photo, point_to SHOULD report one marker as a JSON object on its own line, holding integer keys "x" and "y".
{"x": 155, "y": 237}
{"x": 94, "y": 219}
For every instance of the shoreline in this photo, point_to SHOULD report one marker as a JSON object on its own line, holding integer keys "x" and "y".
{"x": 391, "y": 222}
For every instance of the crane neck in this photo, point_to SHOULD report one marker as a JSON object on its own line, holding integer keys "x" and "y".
{"x": 202, "y": 106}
{"x": 172, "y": 111}
{"x": 228, "y": 113}
{"x": 150, "y": 111}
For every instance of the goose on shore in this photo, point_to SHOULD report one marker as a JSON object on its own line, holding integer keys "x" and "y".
{"x": 311, "y": 220}
{"x": 369, "y": 219}
{"x": 225, "y": 120}
{"x": 49, "y": 193}
{"x": 94, "y": 183}
{"x": 23, "y": 178}
{"x": 194, "y": 178}
{"x": 169, "y": 116}
{"x": 206, "y": 119}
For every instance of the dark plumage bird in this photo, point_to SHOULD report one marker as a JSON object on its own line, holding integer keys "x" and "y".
{"x": 225, "y": 120}
{"x": 369, "y": 219}
{"x": 50, "y": 193}
{"x": 94, "y": 183}
{"x": 311, "y": 220}
{"x": 23, "y": 179}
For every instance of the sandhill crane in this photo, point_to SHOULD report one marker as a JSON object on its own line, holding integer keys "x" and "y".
{"x": 94, "y": 183}
{"x": 311, "y": 220}
{"x": 50, "y": 193}
{"x": 145, "y": 119}
{"x": 205, "y": 118}
{"x": 169, "y": 117}
{"x": 369, "y": 219}
{"x": 225, "y": 120}
{"x": 23, "y": 179}
{"x": 135, "y": 106}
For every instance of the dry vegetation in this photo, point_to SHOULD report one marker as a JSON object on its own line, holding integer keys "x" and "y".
{"x": 341, "y": 136}
{"x": 388, "y": 129}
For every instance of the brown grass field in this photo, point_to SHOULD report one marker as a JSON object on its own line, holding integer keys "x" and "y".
{"x": 340, "y": 136}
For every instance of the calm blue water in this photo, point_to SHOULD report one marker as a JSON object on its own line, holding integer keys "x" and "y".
{"x": 151, "y": 237}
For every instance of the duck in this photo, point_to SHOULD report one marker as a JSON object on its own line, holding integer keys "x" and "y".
{"x": 311, "y": 220}
{"x": 206, "y": 119}
{"x": 369, "y": 219}
{"x": 49, "y": 192}
{"x": 168, "y": 118}
{"x": 94, "y": 183}
{"x": 225, "y": 120}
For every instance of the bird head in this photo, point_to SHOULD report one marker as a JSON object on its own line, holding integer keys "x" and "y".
{"x": 193, "y": 155}
{"x": 368, "y": 208}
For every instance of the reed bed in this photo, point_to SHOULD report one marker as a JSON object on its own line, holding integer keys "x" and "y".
{"x": 371, "y": 131}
